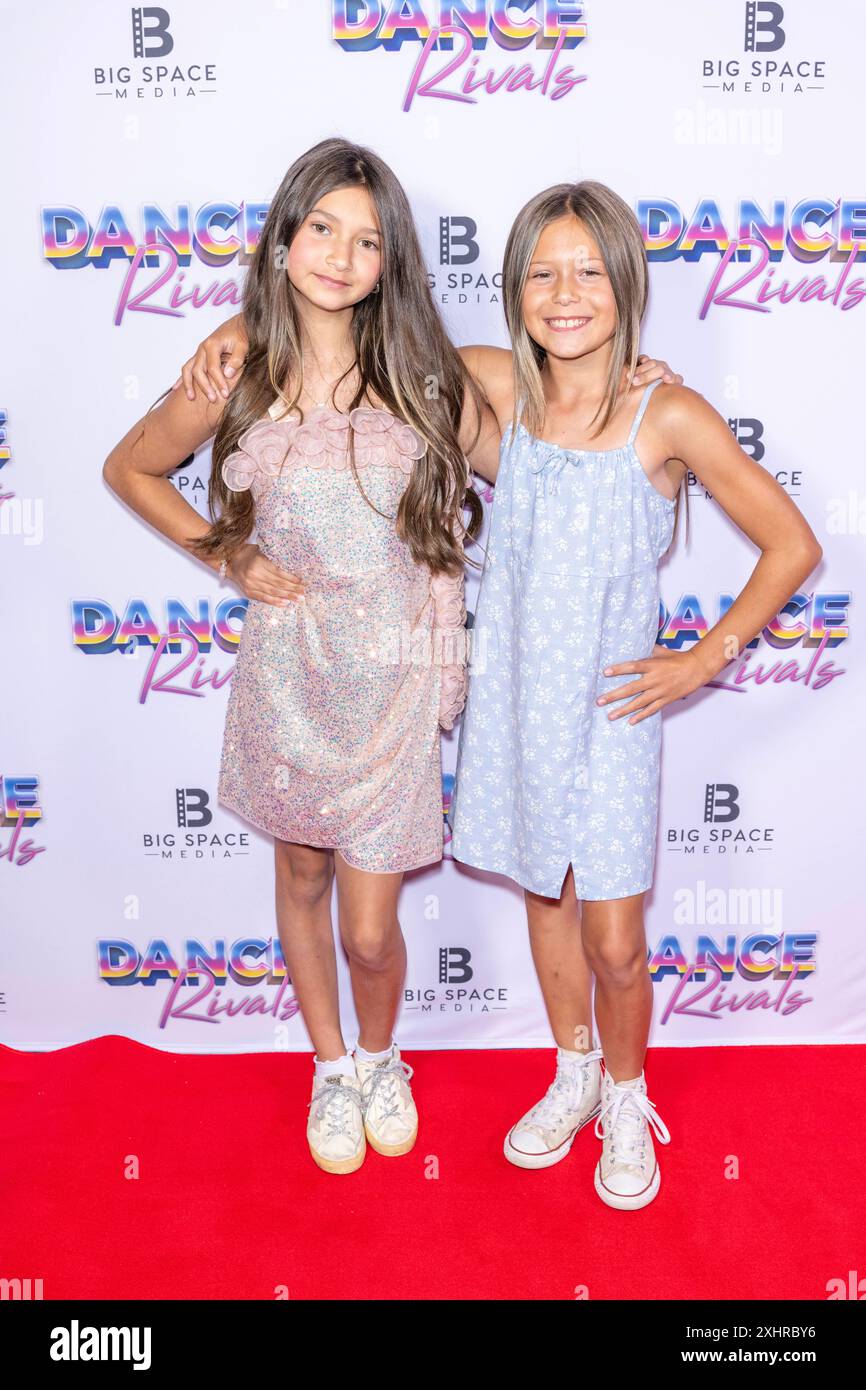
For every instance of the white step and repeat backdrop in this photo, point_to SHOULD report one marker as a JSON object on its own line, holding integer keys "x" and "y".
{"x": 141, "y": 148}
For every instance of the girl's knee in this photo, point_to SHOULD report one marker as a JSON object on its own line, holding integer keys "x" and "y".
{"x": 369, "y": 943}
{"x": 304, "y": 872}
{"x": 618, "y": 964}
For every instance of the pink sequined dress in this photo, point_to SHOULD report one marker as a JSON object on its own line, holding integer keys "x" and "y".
{"x": 335, "y": 703}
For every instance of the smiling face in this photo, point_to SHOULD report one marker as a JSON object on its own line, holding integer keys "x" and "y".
{"x": 568, "y": 301}
{"x": 335, "y": 258}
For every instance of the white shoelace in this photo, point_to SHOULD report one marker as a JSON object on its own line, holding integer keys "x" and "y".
{"x": 332, "y": 1104}
{"x": 630, "y": 1113}
{"x": 384, "y": 1079}
{"x": 560, "y": 1095}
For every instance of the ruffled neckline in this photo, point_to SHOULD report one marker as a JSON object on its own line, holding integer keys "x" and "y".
{"x": 321, "y": 440}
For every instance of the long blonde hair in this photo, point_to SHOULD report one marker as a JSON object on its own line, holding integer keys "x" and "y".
{"x": 615, "y": 229}
{"x": 403, "y": 355}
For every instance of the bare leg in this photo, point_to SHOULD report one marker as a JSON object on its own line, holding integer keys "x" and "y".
{"x": 374, "y": 943}
{"x": 562, "y": 968}
{"x": 304, "y": 875}
{"x": 615, "y": 946}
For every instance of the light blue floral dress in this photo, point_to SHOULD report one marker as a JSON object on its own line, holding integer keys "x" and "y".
{"x": 570, "y": 585}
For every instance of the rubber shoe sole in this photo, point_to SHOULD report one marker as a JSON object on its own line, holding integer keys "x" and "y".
{"x": 391, "y": 1150}
{"x": 339, "y": 1165}
{"x": 532, "y": 1161}
{"x": 628, "y": 1203}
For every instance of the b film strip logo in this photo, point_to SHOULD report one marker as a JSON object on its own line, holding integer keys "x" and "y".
{"x": 457, "y": 241}
{"x": 193, "y": 810}
{"x": 150, "y": 34}
{"x": 454, "y": 967}
{"x": 764, "y": 17}
{"x": 721, "y": 802}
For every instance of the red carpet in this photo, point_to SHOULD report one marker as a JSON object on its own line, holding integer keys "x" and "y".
{"x": 228, "y": 1203}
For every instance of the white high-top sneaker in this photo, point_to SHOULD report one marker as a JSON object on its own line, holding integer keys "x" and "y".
{"x": 627, "y": 1174}
{"x": 335, "y": 1125}
{"x": 390, "y": 1116}
{"x": 546, "y": 1132}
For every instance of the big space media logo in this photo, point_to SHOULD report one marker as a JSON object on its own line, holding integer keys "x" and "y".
{"x": 195, "y": 977}
{"x": 21, "y": 811}
{"x": 148, "y": 67}
{"x": 764, "y": 33}
{"x": 194, "y": 838}
{"x": 457, "y": 990}
{"x": 465, "y": 280}
{"x": 724, "y": 832}
{"x": 462, "y": 33}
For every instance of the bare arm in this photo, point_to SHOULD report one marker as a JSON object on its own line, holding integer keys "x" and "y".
{"x": 751, "y": 497}
{"x": 688, "y": 428}
{"x": 137, "y": 468}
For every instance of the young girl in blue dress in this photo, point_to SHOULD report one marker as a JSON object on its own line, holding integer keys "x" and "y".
{"x": 558, "y": 763}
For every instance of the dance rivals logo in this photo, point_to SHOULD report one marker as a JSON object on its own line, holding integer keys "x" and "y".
{"x": 725, "y": 835}
{"x": 705, "y": 973}
{"x": 818, "y": 621}
{"x": 151, "y": 38}
{"x": 187, "y": 634}
{"x": 460, "y": 992}
{"x": 248, "y": 962}
{"x": 196, "y": 842}
{"x": 20, "y": 811}
{"x": 813, "y": 228}
{"x": 458, "y": 250}
{"x": 359, "y": 26}
{"x": 765, "y": 31}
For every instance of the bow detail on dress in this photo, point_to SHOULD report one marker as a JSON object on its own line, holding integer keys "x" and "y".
{"x": 548, "y": 462}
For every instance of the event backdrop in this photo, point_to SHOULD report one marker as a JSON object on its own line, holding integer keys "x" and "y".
{"x": 143, "y": 145}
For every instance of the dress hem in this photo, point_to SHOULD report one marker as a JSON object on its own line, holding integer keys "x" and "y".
{"x": 580, "y": 894}
{"x": 259, "y": 825}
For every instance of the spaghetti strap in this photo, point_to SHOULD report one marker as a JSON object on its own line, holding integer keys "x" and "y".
{"x": 644, "y": 401}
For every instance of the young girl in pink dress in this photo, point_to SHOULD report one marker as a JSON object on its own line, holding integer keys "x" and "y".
{"x": 354, "y": 475}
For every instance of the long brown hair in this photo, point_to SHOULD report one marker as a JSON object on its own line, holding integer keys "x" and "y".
{"x": 403, "y": 355}
{"x": 617, "y": 233}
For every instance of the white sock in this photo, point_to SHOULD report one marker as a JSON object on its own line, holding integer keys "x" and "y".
{"x": 575, "y": 1056}
{"x": 372, "y": 1056}
{"x": 341, "y": 1066}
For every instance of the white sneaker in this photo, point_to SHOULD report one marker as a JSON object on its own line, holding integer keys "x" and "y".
{"x": 390, "y": 1116}
{"x": 335, "y": 1126}
{"x": 627, "y": 1174}
{"x": 546, "y": 1132}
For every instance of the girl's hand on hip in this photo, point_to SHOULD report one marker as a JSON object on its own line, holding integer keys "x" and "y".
{"x": 259, "y": 578}
{"x": 660, "y": 678}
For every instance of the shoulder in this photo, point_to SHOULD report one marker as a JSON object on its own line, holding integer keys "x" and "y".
{"x": 669, "y": 403}
{"x": 679, "y": 416}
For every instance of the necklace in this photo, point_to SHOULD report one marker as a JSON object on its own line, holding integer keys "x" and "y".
{"x": 332, "y": 384}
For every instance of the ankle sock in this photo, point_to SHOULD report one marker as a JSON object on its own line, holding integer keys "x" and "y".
{"x": 366, "y": 1056}
{"x": 341, "y": 1066}
{"x": 575, "y": 1056}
